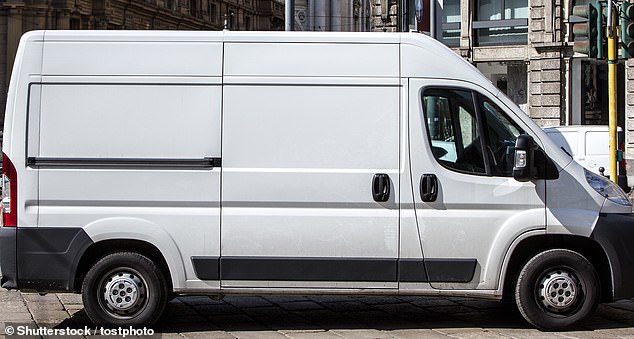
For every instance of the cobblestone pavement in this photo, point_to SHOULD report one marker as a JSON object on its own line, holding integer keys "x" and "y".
{"x": 322, "y": 317}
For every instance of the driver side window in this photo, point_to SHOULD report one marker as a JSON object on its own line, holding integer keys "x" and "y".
{"x": 469, "y": 133}
{"x": 453, "y": 130}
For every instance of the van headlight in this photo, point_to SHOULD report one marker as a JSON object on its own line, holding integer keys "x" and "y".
{"x": 607, "y": 188}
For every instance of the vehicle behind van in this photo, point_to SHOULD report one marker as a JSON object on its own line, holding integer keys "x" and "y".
{"x": 139, "y": 165}
{"x": 589, "y": 145}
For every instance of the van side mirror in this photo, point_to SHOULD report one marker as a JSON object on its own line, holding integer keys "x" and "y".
{"x": 524, "y": 168}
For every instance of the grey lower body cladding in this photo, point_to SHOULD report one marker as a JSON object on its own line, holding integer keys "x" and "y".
{"x": 41, "y": 259}
{"x": 47, "y": 258}
{"x": 334, "y": 269}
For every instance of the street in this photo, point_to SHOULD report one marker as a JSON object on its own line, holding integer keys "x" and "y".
{"x": 321, "y": 317}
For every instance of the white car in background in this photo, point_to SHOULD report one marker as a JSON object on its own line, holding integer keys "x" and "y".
{"x": 589, "y": 146}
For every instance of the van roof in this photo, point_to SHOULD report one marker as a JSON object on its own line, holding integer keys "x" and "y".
{"x": 226, "y": 36}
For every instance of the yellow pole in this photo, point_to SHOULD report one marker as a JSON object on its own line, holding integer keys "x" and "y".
{"x": 612, "y": 95}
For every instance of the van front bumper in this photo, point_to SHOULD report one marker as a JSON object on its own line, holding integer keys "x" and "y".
{"x": 615, "y": 234}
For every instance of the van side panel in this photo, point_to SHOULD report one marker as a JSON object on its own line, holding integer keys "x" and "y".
{"x": 306, "y": 126}
{"x": 127, "y": 147}
{"x": 311, "y": 60}
{"x": 141, "y": 58}
{"x": 163, "y": 121}
{"x": 127, "y": 157}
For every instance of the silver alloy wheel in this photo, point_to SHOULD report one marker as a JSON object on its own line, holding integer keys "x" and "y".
{"x": 558, "y": 290}
{"x": 124, "y": 292}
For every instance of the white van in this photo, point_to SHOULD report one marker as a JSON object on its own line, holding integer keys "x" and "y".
{"x": 140, "y": 165}
{"x": 589, "y": 145}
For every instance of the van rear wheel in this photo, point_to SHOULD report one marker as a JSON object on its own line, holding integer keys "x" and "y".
{"x": 124, "y": 289}
{"x": 556, "y": 289}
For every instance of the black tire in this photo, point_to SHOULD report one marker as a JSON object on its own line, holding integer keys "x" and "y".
{"x": 557, "y": 289}
{"x": 137, "y": 291}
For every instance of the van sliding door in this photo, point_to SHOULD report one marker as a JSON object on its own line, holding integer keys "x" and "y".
{"x": 310, "y": 186}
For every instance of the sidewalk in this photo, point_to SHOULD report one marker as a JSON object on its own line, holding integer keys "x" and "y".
{"x": 322, "y": 317}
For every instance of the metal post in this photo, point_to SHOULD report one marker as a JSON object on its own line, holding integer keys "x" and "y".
{"x": 612, "y": 59}
{"x": 335, "y": 16}
{"x": 432, "y": 19}
{"x": 320, "y": 16}
{"x": 403, "y": 16}
{"x": 289, "y": 15}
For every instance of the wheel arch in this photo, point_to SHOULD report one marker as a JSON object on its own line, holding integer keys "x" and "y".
{"x": 101, "y": 249}
{"x": 531, "y": 246}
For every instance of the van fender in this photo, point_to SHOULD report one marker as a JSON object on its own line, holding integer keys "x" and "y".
{"x": 509, "y": 253}
{"x": 572, "y": 221}
{"x": 519, "y": 227}
{"x": 143, "y": 230}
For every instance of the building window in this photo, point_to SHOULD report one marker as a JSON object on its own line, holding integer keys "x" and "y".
{"x": 510, "y": 77}
{"x": 213, "y": 14}
{"x": 451, "y": 23}
{"x": 193, "y": 7}
{"x": 247, "y": 23}
{"x": 231, "y": 20}
{"x": 75, "y": 23}
{"x": 501, "y": 22}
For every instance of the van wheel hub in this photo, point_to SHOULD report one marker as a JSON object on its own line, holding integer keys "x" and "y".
{"x": 558, "y": 290}
{"x": 123, "y": 291}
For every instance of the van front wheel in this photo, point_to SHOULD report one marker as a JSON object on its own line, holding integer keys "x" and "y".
{"x": 556, "y": 289}
{"x": 124, "y": 289}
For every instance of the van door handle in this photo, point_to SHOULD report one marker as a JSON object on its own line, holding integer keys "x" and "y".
{"x": 428, "y": 187}
{"x": 381, "y": 187}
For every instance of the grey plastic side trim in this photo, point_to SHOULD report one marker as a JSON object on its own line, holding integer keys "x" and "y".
{"x": 334, "y": 269}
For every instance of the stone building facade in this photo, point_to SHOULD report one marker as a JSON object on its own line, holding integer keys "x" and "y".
{"x": 17, "y": 17}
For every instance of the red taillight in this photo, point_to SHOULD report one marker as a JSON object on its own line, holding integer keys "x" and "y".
{"x": 9, "y": 193}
